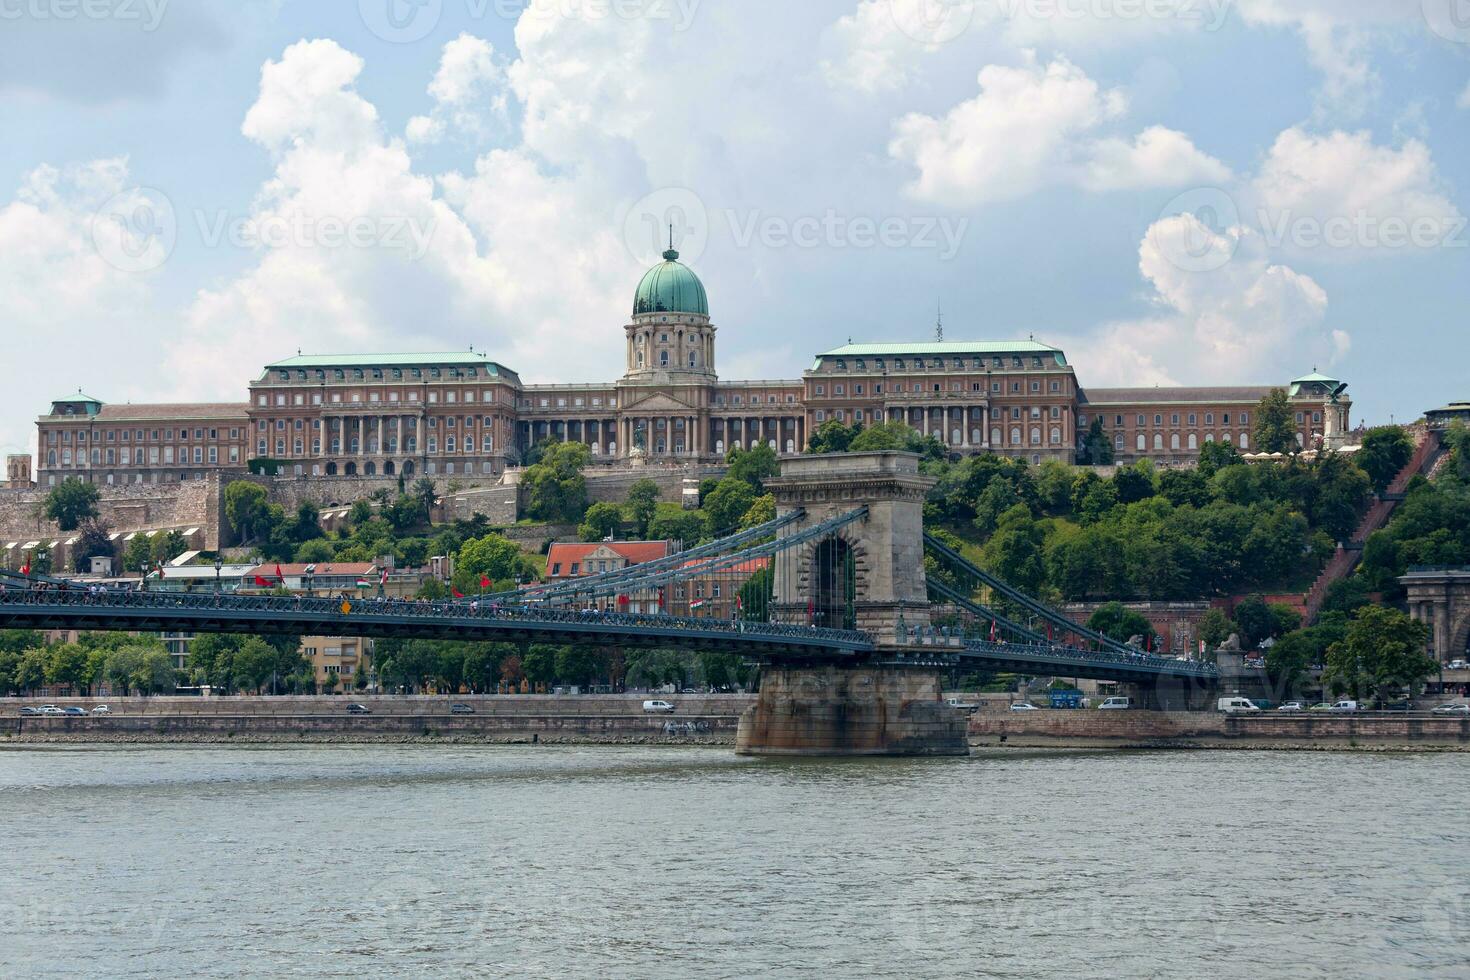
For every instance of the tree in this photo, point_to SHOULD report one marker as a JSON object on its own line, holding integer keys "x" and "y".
{"x": 1097, "y": 448}
{"x": 832, "y": 437}
{"x": 167, "y": 546}
{"x": 316, "y": 551}
{"x": 673, "y": 523}
{"x": 555, "y": 487}
{"x": 1385, "y": 451}
{"x": 494, "y": 555}
{"x": 67, "y": 666}
{"x": 94, "y": 541}
{"x": 602, "y": 521}
{"x": 642, "y": 505}
{"x": 1289, "y": 659}
{"x": 1185, "y": 487}
{"x": 753, "y": 465}
{"x": 1259, "y": 620}
{"x": 138, "y": 554}
{"x": 427, "y": 495}
{"x": 1215, "y": 628}
{"x": 1120, "y": 623}
{"x": 71, "y": 502}
{"x": 1135, "y": 482}
{"x": 245, "y": 509}
{"x": 1015, "y": 553}
{"x": 1275, "y": 430}
{"x": 254, "y": 663}
{"x": 900, "y": 436}
{"x": 728, "y": 504}
{"x": 1382, "y": 654}
{"x": 30, "y": 672}
{"x": 762, "y": 511}
{"x": 579, "y": 664}
{"x": 212, "y": 658}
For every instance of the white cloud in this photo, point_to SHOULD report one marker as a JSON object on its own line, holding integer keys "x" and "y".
{"x": 1157, "y": 157}
{"x": 1241, "y": 319}
{"x": 58, "y": 288}
{"x": 1348, "y": 186}
{"x": 1017, "y": 135}
{"x": 1464, "y": 101}
{"x": 1033, "y": 126}
{"x": 469, "y": 92}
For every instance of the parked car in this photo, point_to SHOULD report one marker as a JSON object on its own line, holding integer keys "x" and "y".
{"x": 1235, "y": 706}
{"x": 1116, "y": 704}
{"x": 461, "y": 709}
{"x": 1458, "y": 665}
{"x": 49, "y": 709}
{"x": 72, "y": 709}
{"x": 960, "y": 704}
{"x": 27, "y": 709}
{"x": 102, "y": 709}
{"x": 1024, "y": 706}
{"x": 1343, "y": 707}
{"x": 359, "y": 709}
{"x": 1292, "y": 706}
{"x": 1453, "y": 708}
{"x": 1321, "y": 706}
{"x": 658, "y": 707}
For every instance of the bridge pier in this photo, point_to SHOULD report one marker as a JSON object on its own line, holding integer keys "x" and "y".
{"x": 836, "y": 710}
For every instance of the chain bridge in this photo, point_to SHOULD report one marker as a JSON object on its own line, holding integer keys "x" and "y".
{"x": 830, "y": 597}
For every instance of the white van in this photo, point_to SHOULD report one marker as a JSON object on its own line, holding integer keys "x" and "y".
{"x": 658, "y": 707}
{"x": 1344, "y": 706}
{"x": 1235, "y": 706}
{"x": 1115, "y": 704}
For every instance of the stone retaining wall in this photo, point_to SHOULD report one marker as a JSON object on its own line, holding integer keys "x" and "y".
{"x": 518, "y": 706}
{"x": 1207, "y": 729}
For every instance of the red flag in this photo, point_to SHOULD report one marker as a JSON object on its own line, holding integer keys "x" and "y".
{"x": 262, "y": 582}
{"x": 811, "y": 611}
{"x": 1048, "y": 633}
{"x": 278, "y": 573}
{"x": 484, "y": 581}
{"x": 457, "y": 594}
{"x": 25, "y": 569}
{"x": 383, "y": 579}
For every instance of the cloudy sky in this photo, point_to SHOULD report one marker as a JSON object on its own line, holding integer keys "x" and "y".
{"x": 1175, "y": 191}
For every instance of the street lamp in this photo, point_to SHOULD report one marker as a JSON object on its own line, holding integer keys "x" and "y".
{"x": 143, "y": 576}
{"x": 219, "y": 564}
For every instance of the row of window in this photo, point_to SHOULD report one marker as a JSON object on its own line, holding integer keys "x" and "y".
{"x": 379, "y": 374}
{"x": 1243, "y": 417}
{"x": 156, "y": 455}
{"x": 407, "y": 423}
{"x": 282, "y": 399}
{"x": 354, "y": 446}
{"x": 1191, "y": 441}
{"x": 934, "y": 363}
{"x": 126, "y": 435}
{"x": 935, "y": 387}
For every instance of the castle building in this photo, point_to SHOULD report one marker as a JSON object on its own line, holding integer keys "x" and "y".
{"x": 465, "y": 415}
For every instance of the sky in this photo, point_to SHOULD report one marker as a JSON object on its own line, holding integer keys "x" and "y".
{"x": 1172, "y": 191}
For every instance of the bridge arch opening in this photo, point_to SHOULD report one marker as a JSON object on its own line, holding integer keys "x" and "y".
{"x": 834, "y": 585}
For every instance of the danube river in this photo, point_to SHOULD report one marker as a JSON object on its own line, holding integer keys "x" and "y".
{"x": 343, "y": 861}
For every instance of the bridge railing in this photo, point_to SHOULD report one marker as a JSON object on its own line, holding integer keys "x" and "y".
{"x": 330, "y": 611}
{"x": 948, "y": 638}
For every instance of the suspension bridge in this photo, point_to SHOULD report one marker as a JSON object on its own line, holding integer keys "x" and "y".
{"x": 830, "y": 597}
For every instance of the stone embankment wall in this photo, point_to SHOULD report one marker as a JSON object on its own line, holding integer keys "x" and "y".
{"x": 126, "y": 508}
{"x": 554, "y": 718}
{"x": 1207, "y": 729}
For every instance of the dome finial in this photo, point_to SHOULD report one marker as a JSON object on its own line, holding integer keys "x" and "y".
{"x": 672, "y": 254}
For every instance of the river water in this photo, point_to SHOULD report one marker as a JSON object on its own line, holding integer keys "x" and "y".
{"x": 351, "y": 861}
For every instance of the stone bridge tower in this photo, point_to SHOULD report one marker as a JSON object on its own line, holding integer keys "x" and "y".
{"x": 868, "y": 575}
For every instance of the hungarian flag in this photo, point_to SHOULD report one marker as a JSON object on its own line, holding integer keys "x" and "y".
{"x": 697, "y": 604}
{"x": 383, "y": 578}
{"x": 363, "y": 583}
{"x": 25, "y": 569}
{"x": 262, "y": 582}
{"x": 1048, "y": 633}
{"x": 456, "y": 593}
{"x": 739, "y": 604}
{"x": 484, "y": 581}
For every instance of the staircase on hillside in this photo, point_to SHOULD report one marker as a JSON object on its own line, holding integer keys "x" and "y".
{"x": 1426, "y": 457}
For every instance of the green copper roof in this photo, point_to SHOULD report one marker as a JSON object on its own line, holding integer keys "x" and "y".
{"x": 452, "y": 359}
{"x": 948, "y": 348}
{"x": 79, "y": 397}
{"x": 670, "y": 287}
{"x": 1314, "y": 376}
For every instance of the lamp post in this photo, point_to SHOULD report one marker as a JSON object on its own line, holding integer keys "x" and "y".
{"x": 143, "y": 576}
{"x": 43, "y": 558}
{"x": 219, "y": 564}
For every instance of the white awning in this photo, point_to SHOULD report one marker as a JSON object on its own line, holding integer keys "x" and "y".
{"x": 31, "y": 544}
{"x": 71, "y": 541}
{"x": 190, "y": 533}
{"x": 114, "y": 535}
{"x": 185, "y": 558}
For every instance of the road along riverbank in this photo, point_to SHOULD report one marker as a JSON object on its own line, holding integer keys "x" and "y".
{"x": 1384, "y": 731}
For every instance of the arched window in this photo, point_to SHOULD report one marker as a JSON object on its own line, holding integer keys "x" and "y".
{"x": 1209, "y": 437}
{"x": 1245, "y": 440}
{"x": 956, "y": 437}
{"x": 1015, "y": 436}
{"x": 1174, "y": 441}
{"x": 1035, "y": 436}
{"x": 640, "y": 358}
{"x": 976, "y": 436}
{"x": 1158, "y": 440}
{"x": 1056, "y": 437}
{"x": 995, "y": 437}
{"x": 1299, "y": 439}
{"x": 1142, "y": 442}
{"x": 1225, "y": 438}
{"x": 1193, "y": 441}
{"x": 663, "y": 358}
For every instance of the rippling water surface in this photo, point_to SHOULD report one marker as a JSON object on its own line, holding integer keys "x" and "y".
{"x": 646, "y": 862}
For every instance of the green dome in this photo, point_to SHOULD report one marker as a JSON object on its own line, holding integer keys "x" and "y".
{"x": 671, "y": 288}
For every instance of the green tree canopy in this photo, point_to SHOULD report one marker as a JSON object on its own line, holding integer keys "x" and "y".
{"x": 832, "y": 437}
{"x": 556, "y": 490}
{"x": 753, "y": 465}
{"x": 71, "y": 502}
{"x": 1275, "y": 429}
{"x": 246, "y": 510}
{"x": 643, "y": 504}
{"x": 1385, "y": 451}
{"x": 1382, "y": 654}
{"x": 602, "y": 520}
{"x": 494, "y": 555}
{"x": 728, "y": 504}
{"x": 1120, "y": 623}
